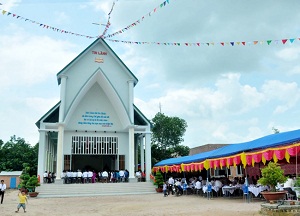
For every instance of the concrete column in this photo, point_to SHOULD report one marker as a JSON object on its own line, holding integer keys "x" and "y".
{"x": 63, "y": 85}
{"x": 141, "y": 139}
{"x": 130, "y": 100}
{"x": 136, "y": 154}
{"x": 60, "y": 138}
{"x": 131, "y": 155}
{"x": 42, "y": 155}
{"x": 148, "y": 155}
{"x": 117, "y": 162}
{"x": 60, "y": 156}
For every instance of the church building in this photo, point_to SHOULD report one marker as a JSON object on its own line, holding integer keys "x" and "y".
{"x": 95, "y": 125}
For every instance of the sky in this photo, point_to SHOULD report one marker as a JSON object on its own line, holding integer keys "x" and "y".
{"x": 230, "y": 93}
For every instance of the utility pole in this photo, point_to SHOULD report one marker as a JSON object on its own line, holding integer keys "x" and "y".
{"x": 159, "y": 107}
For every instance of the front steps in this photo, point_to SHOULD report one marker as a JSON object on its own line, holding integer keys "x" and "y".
{"x": 94, "y": 189}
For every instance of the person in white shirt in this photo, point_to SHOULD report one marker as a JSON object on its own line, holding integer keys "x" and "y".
{"x": 63, "y": 176}
{"x": 84, "y": 176}
{"x": 198, "y": 185}
{"x": 79, "y": 176}
{"x": 105, "y": 176}
{"x": 138, "y": 175}
{"x": 74, "y": 177}
{"x": 218, "y": 183}
{"x": 69, "y": 177}
{"x": 90, "y": 175}
{"x": 288, "y": 185}
{"x": 122, "y": 175}
{"x": 2, "y": 190}
{"x": 45, "y": 179}
{"x": 170, "y": 184}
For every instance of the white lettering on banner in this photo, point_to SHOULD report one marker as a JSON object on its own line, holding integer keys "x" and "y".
{"x": 96, "y": 118}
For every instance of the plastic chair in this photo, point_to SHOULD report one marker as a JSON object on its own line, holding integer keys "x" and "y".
{"x": 246, "y": 193}
{"x": 209, "y": 191}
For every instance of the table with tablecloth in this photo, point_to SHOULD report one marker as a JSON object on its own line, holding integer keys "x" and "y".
{"x": 228, "y": 190}
{"x": 255, "y": 190}
{"x": 215, "y": 188}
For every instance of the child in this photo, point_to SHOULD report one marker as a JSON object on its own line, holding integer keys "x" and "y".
{"x": 22, "y": 199}
{"x": 165, "y": 189}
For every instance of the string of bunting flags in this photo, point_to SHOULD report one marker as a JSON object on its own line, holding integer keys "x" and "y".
{"x": 45, "y": 26}
{"x": 108, "y": 21}
{"x": 179, "y": 44}
{"x": 198, "y": 44}
{"x": 244, "y": 159}
{"x": 139, "y": 20}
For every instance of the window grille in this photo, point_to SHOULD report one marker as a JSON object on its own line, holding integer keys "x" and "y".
{"x": 94, "y": 145}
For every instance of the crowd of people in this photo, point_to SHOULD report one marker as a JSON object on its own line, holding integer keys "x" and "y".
{"x": 49, "y": 177}
{"x": 198, "y": 185}
{"x": 91, "y": 176}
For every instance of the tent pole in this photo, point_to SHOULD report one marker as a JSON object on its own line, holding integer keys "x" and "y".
{"x": 296, "y": 161}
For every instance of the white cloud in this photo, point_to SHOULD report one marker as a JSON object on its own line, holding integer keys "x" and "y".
{"x": 8, "y": 4}
{"x": 288, "y": 94}
{"x": 61, "y": 17}
{"x": 29, "y": 59}
{"x": 226, "y": 112}
{"x": 289, "y": 54}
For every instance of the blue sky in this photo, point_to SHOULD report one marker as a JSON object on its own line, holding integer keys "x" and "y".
{"x": 227, "y": 94}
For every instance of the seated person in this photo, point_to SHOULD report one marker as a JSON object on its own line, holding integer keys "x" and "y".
{"x": 288, "y": 185}
{"x": 138, "y": 175}
{"x": 218, "y": 183}
{"x": 105, "y": 176}
{"x": 45, "y": 177}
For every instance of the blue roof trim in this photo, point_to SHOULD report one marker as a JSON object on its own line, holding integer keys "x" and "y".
{"x": 273, "y": 140}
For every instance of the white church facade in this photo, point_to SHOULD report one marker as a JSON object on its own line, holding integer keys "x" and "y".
{"x": 95, "y": 125}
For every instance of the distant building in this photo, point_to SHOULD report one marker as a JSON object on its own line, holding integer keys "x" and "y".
{"x": 11, "y": 179}
{"x": 205, "y": 148}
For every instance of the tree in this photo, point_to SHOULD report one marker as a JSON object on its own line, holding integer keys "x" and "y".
{"x": 167, "y": 134}
{"x": 159, "y": 179}
{"x": 15, "y": 153}
{"x": 271, "y": 175}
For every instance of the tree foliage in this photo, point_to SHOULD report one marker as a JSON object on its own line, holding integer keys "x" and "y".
{"x": 159, "y": 179}
{"x": 167, "y": 131}
{"x": 15, "y": 153}
{"x": 271, "y": 175}
{"x": 167, "y": 134}
{"x": 28, "y": 182}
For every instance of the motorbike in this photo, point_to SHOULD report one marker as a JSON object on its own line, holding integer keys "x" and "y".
{"x": 177, "y": 190}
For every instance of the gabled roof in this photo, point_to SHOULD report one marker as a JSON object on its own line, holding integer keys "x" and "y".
{"x": 51, "y": 116}
{"x": 86, "y": 49}
{"x": 273, "y": 140}
{"x": 140, "y": 118}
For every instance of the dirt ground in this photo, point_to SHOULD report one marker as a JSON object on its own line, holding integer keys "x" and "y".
{"x": 131, "y": 205}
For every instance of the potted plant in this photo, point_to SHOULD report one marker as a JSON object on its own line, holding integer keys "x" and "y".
{"x": 29, "y": 183}
{"x": 159, "y": 181}
{"x": 271, "y": 176}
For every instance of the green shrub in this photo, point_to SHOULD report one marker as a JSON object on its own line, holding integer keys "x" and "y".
{"x": 271, "y": 175}
{"x": 159, "y": 180}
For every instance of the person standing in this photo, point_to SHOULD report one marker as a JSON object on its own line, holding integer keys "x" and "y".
{"x": 165, "y": 189}
{"x": 2, "y": 190}
{"x": 22, "y": 200}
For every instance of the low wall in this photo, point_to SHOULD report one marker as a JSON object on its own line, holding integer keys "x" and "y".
{"x": 281, "y": 209}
